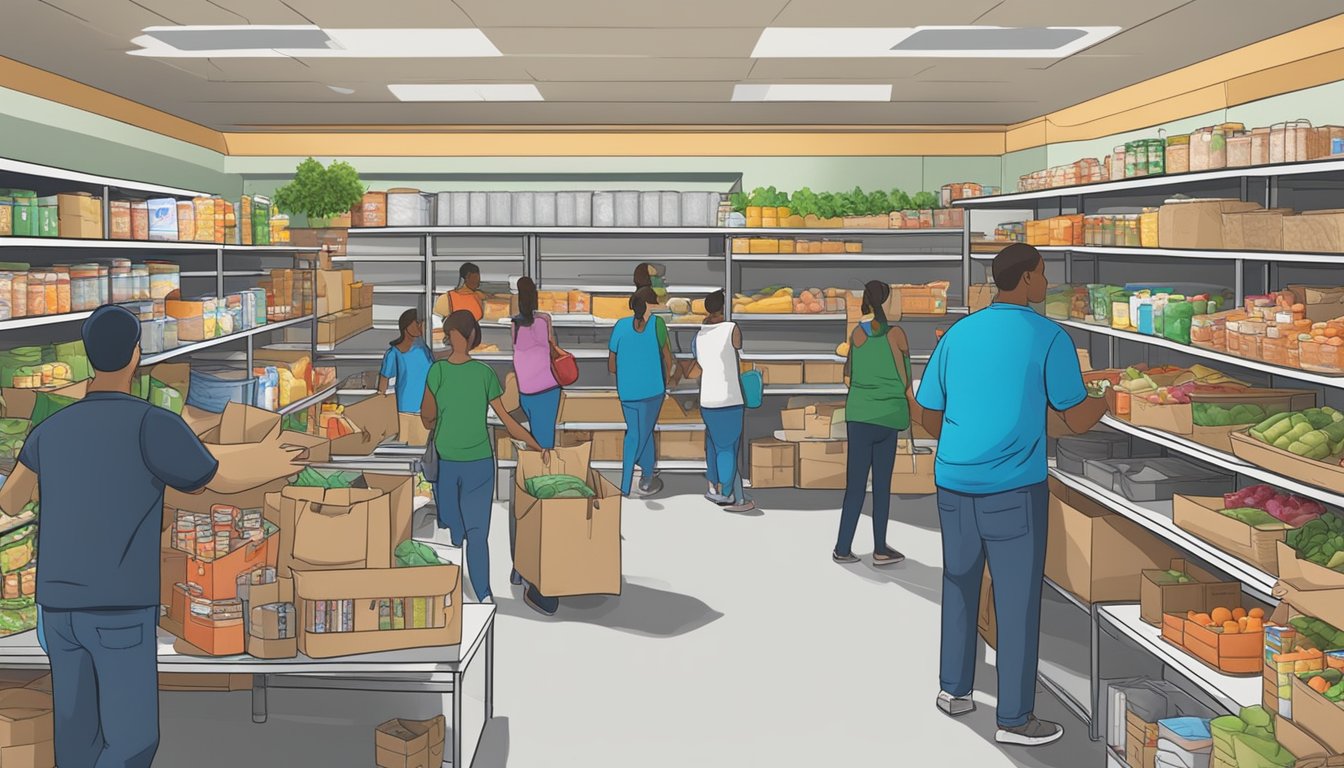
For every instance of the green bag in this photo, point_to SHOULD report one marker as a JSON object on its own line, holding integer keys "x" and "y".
{"x": 165, "y": 397}
{"x": 412, "y": 554}
{"x": 47, "y": 403}
{"x": 310, "y": 477}
{"x": 557, "y": 487}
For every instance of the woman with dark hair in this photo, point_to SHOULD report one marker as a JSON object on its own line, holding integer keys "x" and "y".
{"x": 644, "y": 370}
{"x": 646, "y": 276}
{"x": 722, "y": 405}
{"x": 467, "y": 295}
{"x": 877, "y": 408}
{"x": 407, "y": 363}
{"x": 534, "y": 347}
{"x": 463, "y": 390}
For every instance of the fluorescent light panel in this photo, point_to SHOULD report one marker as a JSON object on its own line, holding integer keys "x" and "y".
{"x": 811, "y": 92}
{"x": 465, "y": 92}
{"x": 886, "y": 42}
{"x": 242, "y": 42}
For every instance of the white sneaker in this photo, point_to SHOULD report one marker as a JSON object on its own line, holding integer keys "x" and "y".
{"x": 955, "y": 706}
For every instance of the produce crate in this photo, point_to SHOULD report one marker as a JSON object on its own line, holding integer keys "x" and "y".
{"x": 1306, "y": 573}
{"x": 1318, "y": 715}
{"x": 1319, "y": 473}
{"x": 1240, "y": 654}
{"x": 1162, "y": 592}
{"x": 1321, "y": 357}
{"x": 928, "y": 299}
{"x": 1201, "y": 516}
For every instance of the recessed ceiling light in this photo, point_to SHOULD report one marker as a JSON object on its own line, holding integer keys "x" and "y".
{"x": 307, "y": 41}
{"x": 811, "y": 92}
{"x": 465, "y": 92}
{"x": 927, "y": 42}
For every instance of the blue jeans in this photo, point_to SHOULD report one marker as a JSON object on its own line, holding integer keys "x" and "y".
{"x": 542, "y": 410}
{"x": 465, "y": 494}
{"x": 1008, "y": 529}
{"x": 723, "y": 439}
{"x": 105, "y": 684}
{"x": 640, "y": 418}
{"x": 871, "y": 449}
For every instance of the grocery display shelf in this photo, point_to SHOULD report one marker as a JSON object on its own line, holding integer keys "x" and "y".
{"x": 39, "y": 320}
{"x": 195, "y": 346}
{"x": 672, "y": 290}
{"x": 619, "y": 426}
{"x": 1156, "y": 516}
{"x": 1281, "y": 257}
{"x": 1232, "y": 693}
{"x": 8, "y": 165}
{"x": 138, "y": 245}
{"x": 671, "y": 467}
{"x": 825, "y": 259}
{"x": 650, "y": 231}
{"x": 408, "y": 259}
{"x": 311, "y": 400}
{"x": 1224, "y": 461}
{"x": 1208, "y": 354}
{"x": 1166, "y": 180}
{"x": 414, "y": 290}
{"x": 477, "y": 258}
{"x": 1114, "y": 759}
{"x": 225, "y": 273}
{"x": 1067, "y": 595}
{"x": 653, "y": 257}
{"x": 786, "y": 357}
{"x": 791, "y": 317}
{"x": 806, "y": 389}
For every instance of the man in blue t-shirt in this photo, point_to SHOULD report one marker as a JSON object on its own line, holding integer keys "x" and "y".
{"x": 101, "y": 465}
{"x": 985, "y": 394}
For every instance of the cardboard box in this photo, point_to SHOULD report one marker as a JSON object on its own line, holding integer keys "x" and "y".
{"x": 1305, "y": 572}
{"x": 330, "y": 241}
{"x": 214, "y": 638}
{"x": 80, "y": 215}
{"x": 1178, "y": 418}
{"x": 217, "y": 579}
{"x": 1196, "y": 224}
{"x": 376, "y": 419}
{"x": 335, "y": 328}
{"x": 1318, "y": 473}
{"x": 605, "y": 445}
{"x": 589, "y": 406}
{"x": 1318, "y": 715}
{"x": 332, "y": 290}
{"x": 342, "y": 528}
{"x": 912, "y": 474}
{"x": 441, "y": 585}
{"x": 242, "y": 425}
{"x": 780, "y": 373}
{"x": 823, "y": 372}
{"x": 681, "y": 446}
{"x": 567, "y": 546}
{"x": 40, "y": 755}
{"x": 774, "y": 463}
{"x": 679, "y": 410}
{"x": 1206, "y": 592}
{"x": 1096, "y": 554}
{"x": 793, "y": 419}
{"x": 821, "y": 464}
{"x": 25, "y": 716}
{"x": 1200, "y": 515}
{"x": 404, "y": 743}
{"x": 611, "y": 307}
{"x": 1254, "y": 230}
{"x": 1323, "y": 302}
{"x": 1303, "y": 744}
{"x": 1314, "y": 232}
{"x": 824, "y": 421}
{"x": 371, "y": 211}
{"x": 212, "y": 682}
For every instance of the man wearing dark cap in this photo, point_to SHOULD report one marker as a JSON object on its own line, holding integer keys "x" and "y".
{"x": 101, "y": 465}
{"x": 986, "y": 392}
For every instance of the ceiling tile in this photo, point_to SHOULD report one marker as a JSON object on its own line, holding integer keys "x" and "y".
{"x": 398, "y": 14}
{"x": 263, "y": 70}
{"x": 1052, "y": 13}
{"x": 684, "y": 42}
{"x": 637, "y": 92}
{"x": 119, "y": 19}
{"x": 880, "y": 13}
{"x": 631, "y": 70}
{"x": 386, "y": 71}
{"x": 622, "y": 13}
{"x": 856, "y": 70}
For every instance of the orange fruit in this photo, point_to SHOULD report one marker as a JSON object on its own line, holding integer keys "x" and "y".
{"x": 1319, "y": 684}
{"x": 1256, "y": 613}
{"x": 1203, "y": 619}
{"x": 1239, "y": 613}
{"x": 1220, "y": 615}
{"x": 1253, "y": 625}
{"x": 1231, "y": 628}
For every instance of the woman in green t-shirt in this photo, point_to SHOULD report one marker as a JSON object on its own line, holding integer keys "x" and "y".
{"x": 463, "y": 389}
{"x": 876, "y": 410}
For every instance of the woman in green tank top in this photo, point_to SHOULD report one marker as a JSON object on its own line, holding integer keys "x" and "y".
{"x": 877, "y": 409}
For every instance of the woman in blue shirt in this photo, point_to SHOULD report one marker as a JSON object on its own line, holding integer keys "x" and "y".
{"x": 642, "y": 366}
{"x": 408, "y": 361}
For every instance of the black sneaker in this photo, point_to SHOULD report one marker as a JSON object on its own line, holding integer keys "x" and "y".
{"x": 887, "y": 556}
{"x": 848, "y": 559}
{"x": 547, "y": 606}
{"x": 1033, "y": 733}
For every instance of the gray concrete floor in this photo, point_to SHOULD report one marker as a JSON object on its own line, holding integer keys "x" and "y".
{"x": 736, "y": 641}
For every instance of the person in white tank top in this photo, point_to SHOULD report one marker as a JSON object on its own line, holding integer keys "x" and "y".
{"x": 722, "y": 406}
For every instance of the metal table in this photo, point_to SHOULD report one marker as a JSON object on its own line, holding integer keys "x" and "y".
{"x": 421, "y": 670}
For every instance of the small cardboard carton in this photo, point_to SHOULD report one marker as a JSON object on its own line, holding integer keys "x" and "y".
{"x": 1318, "y": 716}
{"x": 822, "y": 464}
{"x": 339, "y": 326}
{"x": 986, "y": 622}
{"x": 376, "y": 419}
{"x": 332, "y": 289}
{"x": 605, "y": 445}
{"x": 39, "y": 755}
{"x": 1309, "y": 750}
{"x": 1201, "y": 516}
{"x": 1323, "y": 302}
{"x": 404, "y": 743}
{"x": 1306, "y": 573}
{"x": 774, "y": 463}
{"x": 342, "y": 528}
{"x": 823, "y": 372}
{"x": 681, "y": 446}
{"x": 912, "y": 474}
{"x": 25, "y": 717}
{"x": 591, "y": 407}
{"x": 1159, "y": 594}
{"x": 824, "y": 421}
{"x": 1326, "y": 604}
{"x": 1196, "y": 224}
{"x": 793, "y": 419}
{"x": 431, "y": 594}
{"x": 675, "y": 410}
{"x": 241, "y": 426}
{"x": 567, "y": 546}
{"x": 1318, "y": 473}
{"x": 780, "y": 372}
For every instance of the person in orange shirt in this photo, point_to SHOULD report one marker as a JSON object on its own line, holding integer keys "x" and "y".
{"x": 467, "y": 295}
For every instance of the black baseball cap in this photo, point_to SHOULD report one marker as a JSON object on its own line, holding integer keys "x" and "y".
{"x": 111, "y": 335}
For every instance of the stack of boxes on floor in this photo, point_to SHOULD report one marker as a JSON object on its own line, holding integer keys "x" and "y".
{"x": 344, "y": 305}
{"x": 603, "y": 409}
{"x": 26, "y": 722}
{"x": 285, "y": 564}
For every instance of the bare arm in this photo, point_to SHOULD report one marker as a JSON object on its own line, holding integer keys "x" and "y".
{"x": 516, "y": 431}
{"x": 17, "y": 490}
{"x": 931, "y": 421}
{"x": 670, "y": 366}
{"x": 383, "y": 382}
{"x": 550, "y": 332}
{"x": 429, "y": 410}
{"x": 611, "y": 363}
{"x": 1085, "y": 415}
{"x": 900, "y": 351}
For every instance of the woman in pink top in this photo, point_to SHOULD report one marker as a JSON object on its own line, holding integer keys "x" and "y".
{"x": 533, "y": 347}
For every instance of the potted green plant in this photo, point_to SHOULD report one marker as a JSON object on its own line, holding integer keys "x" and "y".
{"x": 321, "y": 193}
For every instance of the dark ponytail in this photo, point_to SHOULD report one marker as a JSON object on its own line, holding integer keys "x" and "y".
{"x": 407, "y": 318}
{"x": 527, "y": 302}
{"x": 643, "y": 276}
{"x": 640, "y": 301}
{"x": 465, "y": 324}
{"x": 875, "y": 294}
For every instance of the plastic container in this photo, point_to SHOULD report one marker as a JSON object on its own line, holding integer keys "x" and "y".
{"x": 84, "y": 295}
{"x": 1177, "y": 317}
{"x": 1157, "y": 479}
{"x": 1100, "y": 297}
{"x": 650, "y": 209}
{"x": 500, "y": 206}
{"x": 478, "y": 209}
{"x": 1105, "y": 472}
{"x": 524, "y": 211}
{"x": 627, "y": 209}
{"x": 212, "y": 390}
{"x": 669, "y": 209}
{"x": 543, "y": 209}
{"x": 18, "y": 295}
{"x": 1073, "y": 452}
{"x": 604, "y": 209}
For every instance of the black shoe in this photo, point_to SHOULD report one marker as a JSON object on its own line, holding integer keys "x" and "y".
{"x": 844, "y": 559}
{"x": 516, "y": 578}
{"x": 547, "y": 606}
{"x": 887, "y": 556}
